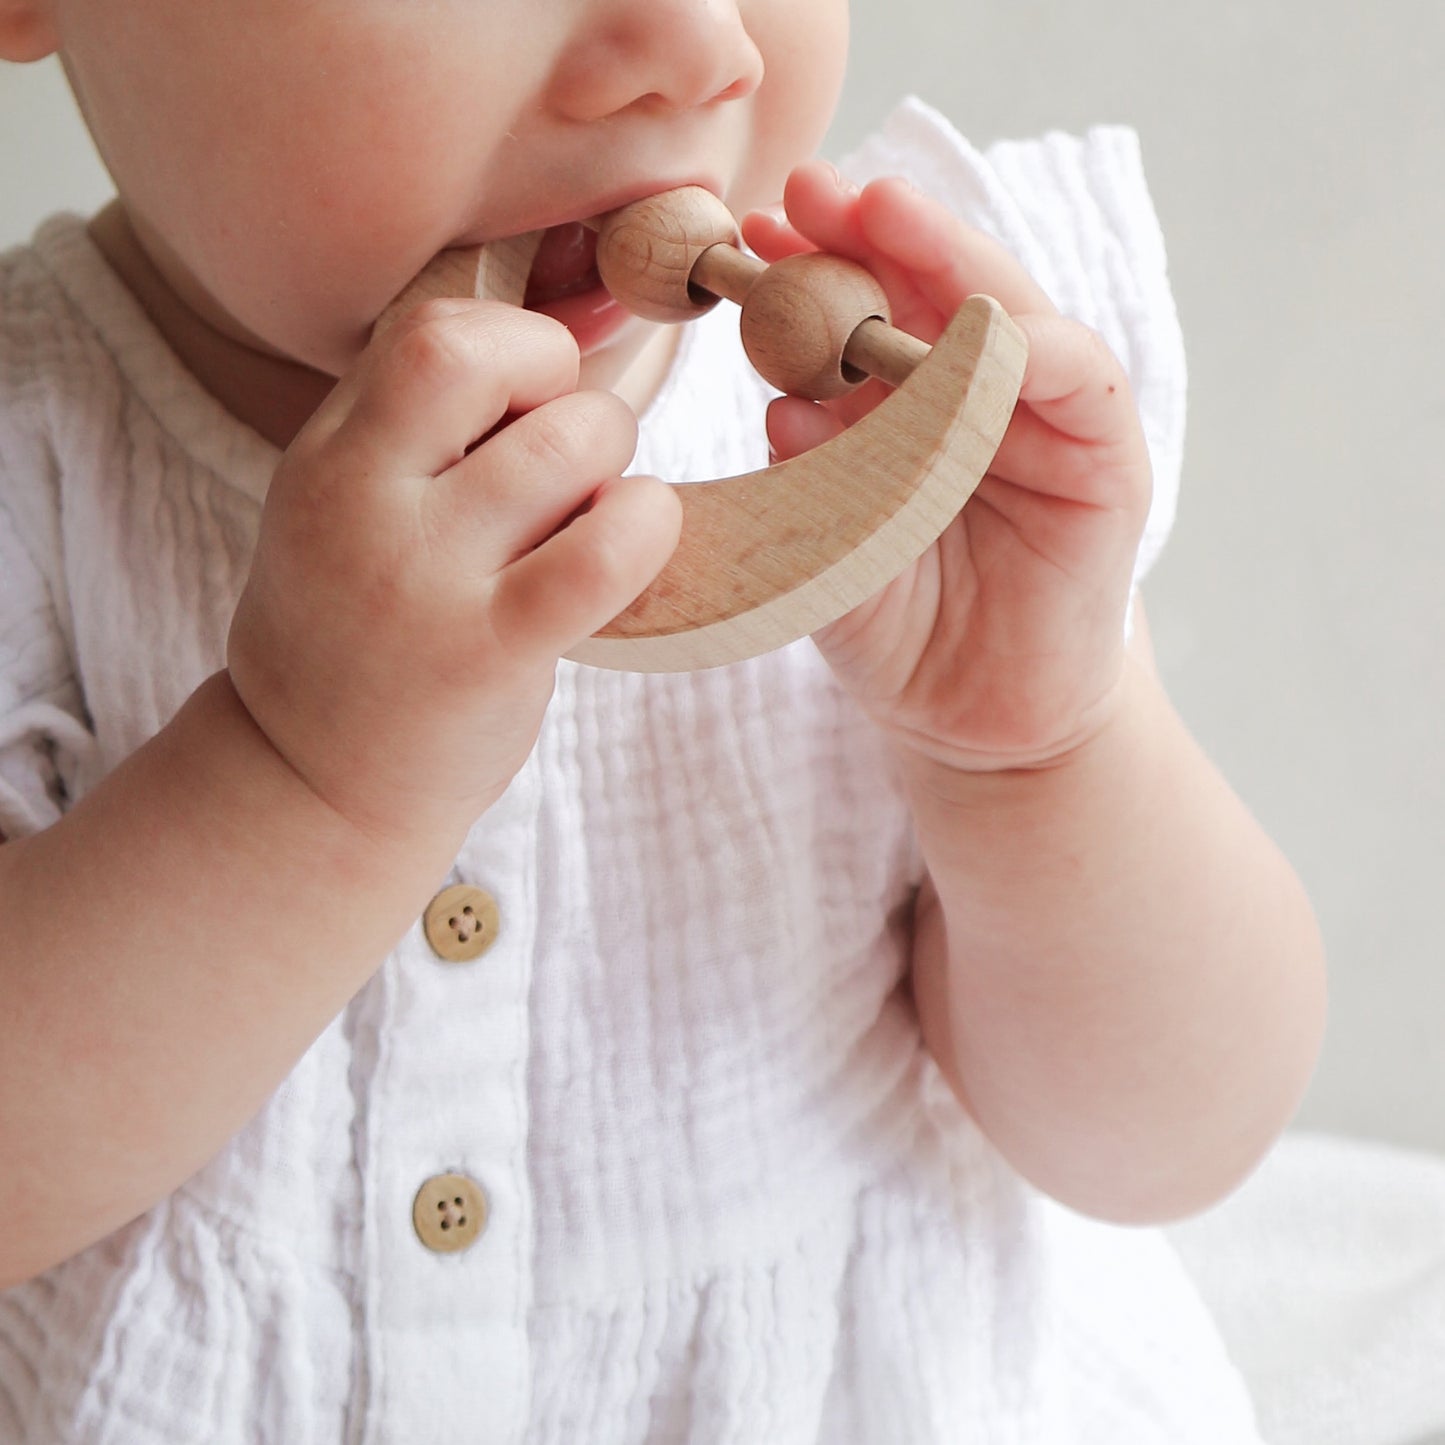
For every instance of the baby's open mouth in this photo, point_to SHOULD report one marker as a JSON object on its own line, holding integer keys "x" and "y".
{"x": 565, "y": 265}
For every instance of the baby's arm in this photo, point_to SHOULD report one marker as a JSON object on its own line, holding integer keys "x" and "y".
{"x": 179, "y": 938}
{"x": 1116, "y": 969}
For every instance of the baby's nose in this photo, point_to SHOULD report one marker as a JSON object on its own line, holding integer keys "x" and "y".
{"x": 682, "y": 53}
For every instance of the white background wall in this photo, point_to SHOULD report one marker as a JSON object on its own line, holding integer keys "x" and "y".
{"x": 1294, "y": 148}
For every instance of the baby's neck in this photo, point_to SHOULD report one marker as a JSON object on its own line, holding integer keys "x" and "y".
{"x": 272, "y": 395}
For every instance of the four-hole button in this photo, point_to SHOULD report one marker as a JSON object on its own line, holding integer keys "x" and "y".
{"x": 449, "y": 1212}
{"x": 461, "y": 923}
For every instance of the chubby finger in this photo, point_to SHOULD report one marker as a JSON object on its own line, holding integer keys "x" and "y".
{"x": 819, "y": 213}
{"x": 822, "y": 209}
{"x": 578, "y": 580}
{"x": 446, "y": 373}
{"x": 1073, "y": 382}
{"x": 948, "y": 260}
{"x": 521, "y": 484}
{"x": 813, "y": 215}
{"x": 822, "y": 205}
{"x": 902, "y": 235}
{"x": 796, "y": 426}
{"x": 1039, "y": 461}
{"x": 771, "y": 236}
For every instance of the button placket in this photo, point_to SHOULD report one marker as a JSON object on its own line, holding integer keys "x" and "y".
{"x": 450, "y": 1123}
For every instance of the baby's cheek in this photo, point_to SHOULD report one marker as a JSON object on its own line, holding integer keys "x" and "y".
{"x": 804, "y": 44}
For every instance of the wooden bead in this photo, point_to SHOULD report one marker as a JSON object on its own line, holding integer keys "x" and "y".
{"x": 797, "y": 320}
{"x": 646, "y": 252}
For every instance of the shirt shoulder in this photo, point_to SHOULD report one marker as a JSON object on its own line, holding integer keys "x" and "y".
{"x": 59, "y": 373}
{"x": 51, "y": 369}
{"x": 39, "y": 365}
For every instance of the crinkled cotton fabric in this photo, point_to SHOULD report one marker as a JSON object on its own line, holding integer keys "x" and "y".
{"x": 730, "y": 1198}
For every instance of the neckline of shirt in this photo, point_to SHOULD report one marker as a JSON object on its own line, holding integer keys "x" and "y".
{"x": 188, "y": 413}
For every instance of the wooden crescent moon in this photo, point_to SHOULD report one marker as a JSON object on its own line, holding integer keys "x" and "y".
{"x": 773, "y": 555}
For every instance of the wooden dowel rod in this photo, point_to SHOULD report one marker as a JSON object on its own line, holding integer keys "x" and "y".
{"x": 884, "y": 351}
{"x": 726, "y": 271}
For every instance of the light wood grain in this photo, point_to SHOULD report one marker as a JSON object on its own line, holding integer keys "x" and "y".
{"x": 497, "y": 271}
{"x": 773, "y": 555}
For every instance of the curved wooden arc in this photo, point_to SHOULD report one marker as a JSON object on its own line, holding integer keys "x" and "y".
{"x": 495, "y": 272}
{"x": 773, "y": 555}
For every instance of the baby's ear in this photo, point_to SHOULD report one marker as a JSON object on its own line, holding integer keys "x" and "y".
{"x": 26, "y": 30}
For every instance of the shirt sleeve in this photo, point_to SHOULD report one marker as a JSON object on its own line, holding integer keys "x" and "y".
{"x": 1076, "y": 211}
{"x": 45, "y": 743}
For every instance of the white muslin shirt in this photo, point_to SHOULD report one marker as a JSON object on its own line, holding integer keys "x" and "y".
{"x": 730, "y": 1200}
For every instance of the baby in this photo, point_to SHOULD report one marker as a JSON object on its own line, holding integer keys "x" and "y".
{"x": 408, "y": 1036}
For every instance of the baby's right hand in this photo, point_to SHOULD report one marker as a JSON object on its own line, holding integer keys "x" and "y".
{"x": 411, "y": 591}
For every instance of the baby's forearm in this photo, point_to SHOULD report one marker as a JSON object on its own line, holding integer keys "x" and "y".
{"x": 1116, "y": 968}
{"x": 170, "y": 948}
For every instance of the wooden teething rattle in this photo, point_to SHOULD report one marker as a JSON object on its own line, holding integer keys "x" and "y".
{"x": 770, "y": 556}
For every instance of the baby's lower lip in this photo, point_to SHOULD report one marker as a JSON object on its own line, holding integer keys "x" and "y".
{"x": 594, "y": 316}
{"x": 564, "y": 284}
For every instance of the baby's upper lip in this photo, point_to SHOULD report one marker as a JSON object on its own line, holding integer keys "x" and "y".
{"x": 599, "y": 205}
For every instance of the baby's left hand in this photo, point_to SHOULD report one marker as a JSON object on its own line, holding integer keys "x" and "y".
{"x": 1003, "y": 645}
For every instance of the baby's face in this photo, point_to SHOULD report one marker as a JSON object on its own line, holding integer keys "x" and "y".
{"x": 291, "y": 164}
